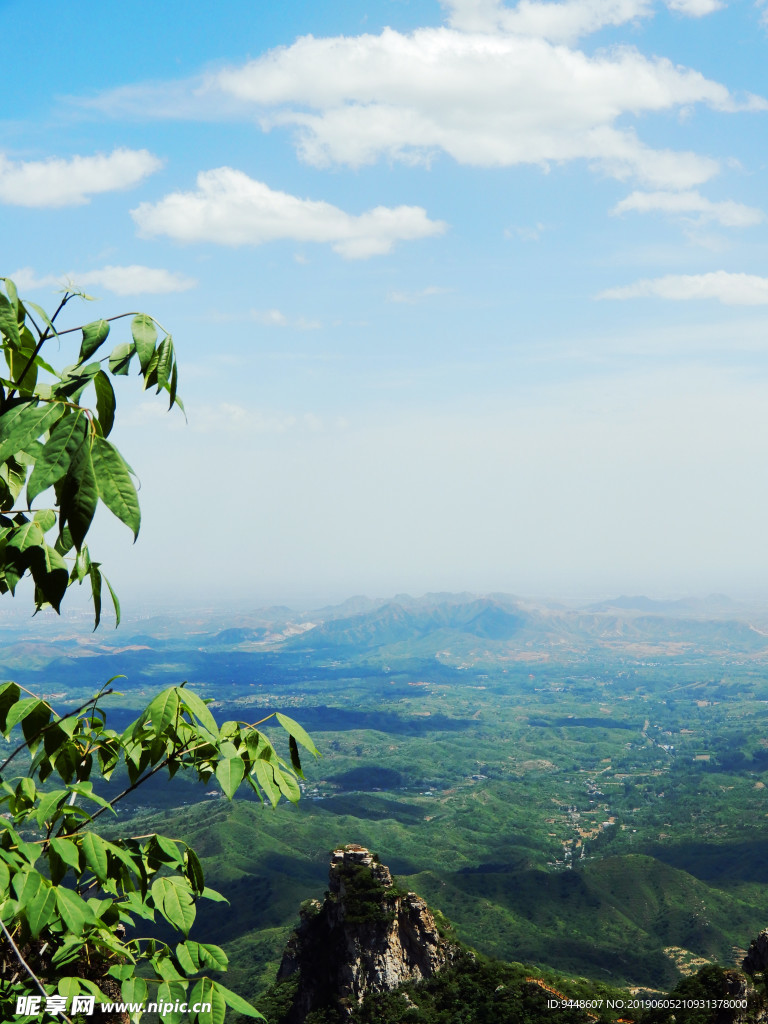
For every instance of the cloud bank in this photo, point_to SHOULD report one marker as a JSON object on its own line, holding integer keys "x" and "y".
{"x": 485, "y": 99}
{"x": 727, "y": 212}
{"x": 730, "y": 289}
{"x": 229, "y": 208}
{"x": 561, "y": 21}
{"x": 132, "y": 280}
{"x": 72, "y": 181}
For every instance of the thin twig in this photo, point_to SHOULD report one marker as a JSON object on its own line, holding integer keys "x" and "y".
{"x": 61, "y": 718}
{"x": 109, "y": 319}
{"x": 43, "y": 338}
{"x": 27, "y": 968}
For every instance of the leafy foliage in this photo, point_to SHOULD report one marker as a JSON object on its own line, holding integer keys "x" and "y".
{"x": 49, "y": 439}
{"x": 67, "y": 893}
{"x": 71, "y": 897}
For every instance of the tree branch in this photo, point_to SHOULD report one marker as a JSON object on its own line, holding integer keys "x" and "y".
{"x": 43, "y": 338}
{"x": 21, "y": 746}
{"x": 27, "y": 968}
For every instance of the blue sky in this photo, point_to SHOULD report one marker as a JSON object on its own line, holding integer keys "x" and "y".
{"x": 465, "y": 295}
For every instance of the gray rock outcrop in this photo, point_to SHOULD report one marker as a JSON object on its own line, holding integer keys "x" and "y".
{"x": 367, "y": 936}
{"x": 756, "y": 960}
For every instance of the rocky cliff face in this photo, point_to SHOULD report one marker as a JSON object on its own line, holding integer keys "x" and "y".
{"x": 367, "y": 936}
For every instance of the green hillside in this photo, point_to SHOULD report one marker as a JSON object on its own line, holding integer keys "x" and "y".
{"x": 611, "y": 919}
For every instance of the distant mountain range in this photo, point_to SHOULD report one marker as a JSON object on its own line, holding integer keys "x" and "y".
{"x": 457, "y": 629}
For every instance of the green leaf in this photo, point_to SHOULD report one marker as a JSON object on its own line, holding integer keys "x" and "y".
{"x": 144, "y": 335}
{"x": 163, "y": 710}
{"x": 19, "y": 712}
{"x": 114, "y": 484}
{"x": 120, "y": 358}
{"x": 215, "y": 897}
{"x": 66, "y": 761}
{"x": 68, "y": 852}
{"x": 134, "y": 903}
{"x": 74, "y": 910}
{"x": 46, "y": 518}
{"x": 40, "y": 908}
{"x": 66, "y": 438}
{"x": 266, "y": 777}
{"x": 164, "y": 363}
{"x": 174, "y": 385}
{"x": 9, "y": 325}
{"x": 85, "y": 789}
{"x": 79, "y": 496}
{"x": 166, "y": 850}
{"x": 124, "y": 857}
{"x": 197, "y": 956}
{"x": 94, "y": 335}
{"x": 64, "y": 542}
{"x": 170, "y": 993}
{"x": 238, "y": 1003}
{"x": 95, "y": 852}
{"x": 95, "y": 578}
{"x": 289, "y": 787}
{"x": 194, "y": 870}
{"x": 199, "y": 709}
{"x": 25, "y": 423}
{"x": 22, "y": 363}
{"x": 42, "y": 314}
{"x": 25, "y": 536}
{"x": 9, "y": 694}
{"x": 49, "y": 805}
{"x": 115, "y": 602}
{"x": 205, "y": 992}
{"x": 133, "y": 990}
{"x": 105, "y": 402}
{"x": 51, "y": 576}
{"x": 13, "y": 294}
{"x": 174, "y": 903}
{"x": 229, "y": 774}
{"x": 34, "y": 723}
{"x": 299, "y": 734}
{"x": 295, "y": 759}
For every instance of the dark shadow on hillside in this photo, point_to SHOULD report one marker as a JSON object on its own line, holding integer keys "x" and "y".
{"x": 640, "y": 966}
{"x": 371, "y": 808}
{"x": 588, "y": 723}
{"x": 369, "y": 776}
{"x": 718, "y": 863}
{"x": 322, "y": 718}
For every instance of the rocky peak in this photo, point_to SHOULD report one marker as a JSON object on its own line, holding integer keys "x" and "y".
{"x": 367, "y": 936}
{"x": 355, "y": 857}
{"x": 756, "y": 960}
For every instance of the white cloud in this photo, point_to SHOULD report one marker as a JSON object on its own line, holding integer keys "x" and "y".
{"x": 727, "y": 212}
{"x": 526, "y": 233}
{"x": 411, "y": 298}
{"x": 230, "y": 208}
{"x": 132, "y": 280}
{"x": 556, "y": 21}
{"x": 487, "y": 100}
{"x": 730, "y": 289}
{"x": 269, "y": 317}
{"x": 561, "y": 21}
{"x": 71, "y": 181}
{"x": 695, "y": 8}
{"x": 275, "y": 318}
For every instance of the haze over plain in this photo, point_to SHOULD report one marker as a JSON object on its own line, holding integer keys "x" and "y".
{"x": 466, "y": 296}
